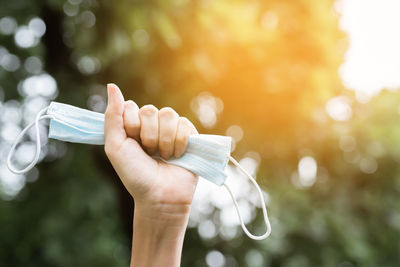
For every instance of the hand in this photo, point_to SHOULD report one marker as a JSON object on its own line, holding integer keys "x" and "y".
{"x": 163, "y": 192}
{"x": 129, "y": 132}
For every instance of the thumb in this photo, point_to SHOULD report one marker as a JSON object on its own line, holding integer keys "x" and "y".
{"x": 114, "y": 132}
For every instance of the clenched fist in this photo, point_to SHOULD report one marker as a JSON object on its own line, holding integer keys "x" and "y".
{"x": 163, "y": 192}
{"x": 132, "y": 135}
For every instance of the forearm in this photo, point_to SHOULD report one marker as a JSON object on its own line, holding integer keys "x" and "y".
{"x": 158, "y": 234}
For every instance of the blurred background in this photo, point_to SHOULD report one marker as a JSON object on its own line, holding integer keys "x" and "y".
{"x": 307, "y": 89}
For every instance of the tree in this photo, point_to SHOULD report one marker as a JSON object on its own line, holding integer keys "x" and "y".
{"x": 266, "y": 68}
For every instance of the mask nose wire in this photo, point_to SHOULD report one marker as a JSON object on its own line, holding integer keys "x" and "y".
{"x": 35, "y": 123}
{"x": 264, "y": 208}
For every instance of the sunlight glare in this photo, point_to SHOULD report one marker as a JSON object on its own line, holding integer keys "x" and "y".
{"x": 372, "y": 62}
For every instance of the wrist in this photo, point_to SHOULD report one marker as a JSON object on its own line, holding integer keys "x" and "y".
{"x": 158, "y": 234}
{"x": 162, "y": 214}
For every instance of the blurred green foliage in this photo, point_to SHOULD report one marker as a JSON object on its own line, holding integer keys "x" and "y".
{"x": 273, "y": 65}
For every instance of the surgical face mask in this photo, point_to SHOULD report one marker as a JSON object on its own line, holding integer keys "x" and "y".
{"x": 205, "y": 155}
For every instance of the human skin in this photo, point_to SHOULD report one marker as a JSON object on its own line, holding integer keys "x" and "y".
{"x": 162, "y": 192}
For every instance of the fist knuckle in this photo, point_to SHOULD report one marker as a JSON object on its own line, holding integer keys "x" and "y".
{"x": 188, "y": 126}
{"x": 131, "y": 104}
{"x": 148, "y": 110}
{"x": 167, "y": 113}
{"x": 184, "y": 121}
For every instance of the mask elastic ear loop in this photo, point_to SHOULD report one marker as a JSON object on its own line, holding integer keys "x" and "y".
{"x": 264, "y": 208}
{"x": 39, "y": 117}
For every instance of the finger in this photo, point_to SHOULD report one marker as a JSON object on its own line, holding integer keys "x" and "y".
{"x": 131, "y": 120}
{"x": 114, "y": 132}
{"x": 148, "y": 116}
{"x": 185, "y": 128}
{"x": 168, "y": 121}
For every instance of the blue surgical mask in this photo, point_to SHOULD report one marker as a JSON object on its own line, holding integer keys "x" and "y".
{"x": 205, "y": 155}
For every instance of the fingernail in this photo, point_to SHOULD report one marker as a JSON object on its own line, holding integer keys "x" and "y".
{"x": 110, "y": 91}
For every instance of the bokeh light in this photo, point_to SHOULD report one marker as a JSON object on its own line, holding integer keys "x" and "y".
{"x": 339, "y": 108}
{"x": 8, "y": 25}
{"x": 37, "y": 27}
{"x": 308, "y": 91}
{"x": 215, "y": 259}
{"x": 207, "y": 108}
{"x": 33, "y": 65}
{"x": 25, "y": 37}
{"x": 306, "y": 172}
{"x": 9, "y": 62}
{"x": 372, "y": 62}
